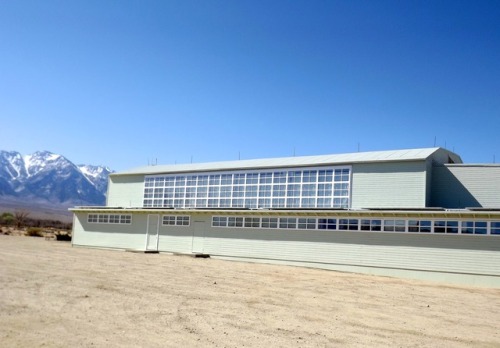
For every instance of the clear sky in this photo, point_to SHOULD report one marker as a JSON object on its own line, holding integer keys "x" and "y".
{"x": 123, "y": 83}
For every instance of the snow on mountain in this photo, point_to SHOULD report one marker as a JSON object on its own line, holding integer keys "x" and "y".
{"x": 97, "y": 175}
{"x": 39, "y": 160}
{"x": 12, "y": 165}
{"x": 50, "y": 177}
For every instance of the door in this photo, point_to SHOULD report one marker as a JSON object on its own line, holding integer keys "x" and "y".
{"x": 152, "y": 232}
{"x": 198, "y": 236}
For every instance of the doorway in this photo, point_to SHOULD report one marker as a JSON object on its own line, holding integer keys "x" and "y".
{"x": 198, "y": 237}
{"x": 152, "y": 232}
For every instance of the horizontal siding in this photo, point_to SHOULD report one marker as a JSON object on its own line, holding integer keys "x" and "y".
{"x": 389, "y": 185}
{"x": 348, "y": 248}
{"x": 428, "y": 179}
{"x": 367, "y": 252}
{"x": 125, "y": 191}
{"x": 177, "y": 239}
{"x": 133, "y": 236}
{"x": 466, "y": 186}
{"x": 120, "y": 236}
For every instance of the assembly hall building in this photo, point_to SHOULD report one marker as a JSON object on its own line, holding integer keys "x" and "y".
{"x": 416, "y": 213}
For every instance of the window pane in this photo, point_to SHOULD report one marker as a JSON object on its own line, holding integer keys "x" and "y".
{"x": 389, "y": 225}
{"x": 439, "y": 226}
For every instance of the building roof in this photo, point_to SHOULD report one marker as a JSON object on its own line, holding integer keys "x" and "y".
{"x": 488, "y": 165}
{"x": 291, "y": 162}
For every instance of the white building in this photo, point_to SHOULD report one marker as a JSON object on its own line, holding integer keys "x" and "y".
{"x": 416, "y": 213}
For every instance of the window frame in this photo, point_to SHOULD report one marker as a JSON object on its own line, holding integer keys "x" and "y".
{"x": 308, "y": 187}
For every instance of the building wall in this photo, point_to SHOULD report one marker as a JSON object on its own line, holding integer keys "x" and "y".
{"x": 456, "y": 259}
{"x": 465, "y": 259}
{"x": 131, "y": 236}
{"x": 119, "y": 236}
{"x": 381, "y": 185}
{"x": 125, "y": 191}
{"x": 177, "y": 239}
{"x": 463, "y": 186}
{"x": 428, "y": 180}
{"x": 389, "y": 185}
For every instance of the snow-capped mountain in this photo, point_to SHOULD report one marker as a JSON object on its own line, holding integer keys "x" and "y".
{"x": 47, "y": 177}
{"x": 98, "y": 175}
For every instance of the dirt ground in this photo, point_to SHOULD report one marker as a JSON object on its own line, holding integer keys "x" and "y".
{"x": 53, "y": 295}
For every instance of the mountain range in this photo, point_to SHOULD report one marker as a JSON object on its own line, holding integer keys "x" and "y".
{"x": 49, "y": 181}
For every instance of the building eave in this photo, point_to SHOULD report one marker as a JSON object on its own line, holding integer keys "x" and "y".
{"x": 347, "y": 213}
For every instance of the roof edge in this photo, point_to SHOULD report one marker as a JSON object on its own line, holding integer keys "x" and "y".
{"x": 291, "y": 162}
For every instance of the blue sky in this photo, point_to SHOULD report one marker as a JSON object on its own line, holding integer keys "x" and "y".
{"x": 124, "y": 83}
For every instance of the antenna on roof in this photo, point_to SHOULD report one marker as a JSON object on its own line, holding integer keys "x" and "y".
{"x": 294, "y": 151}
{"x": 358, "y": 146}
{"x": 239, "y": 157}
{"x": 434, "y": 141}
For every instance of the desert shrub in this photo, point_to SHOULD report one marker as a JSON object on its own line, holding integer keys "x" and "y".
{"x": 34, "y": 232}
{"x": 7, "y": 219}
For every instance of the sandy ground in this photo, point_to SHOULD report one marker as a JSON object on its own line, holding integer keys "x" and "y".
{"x": 53, "y": 295}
